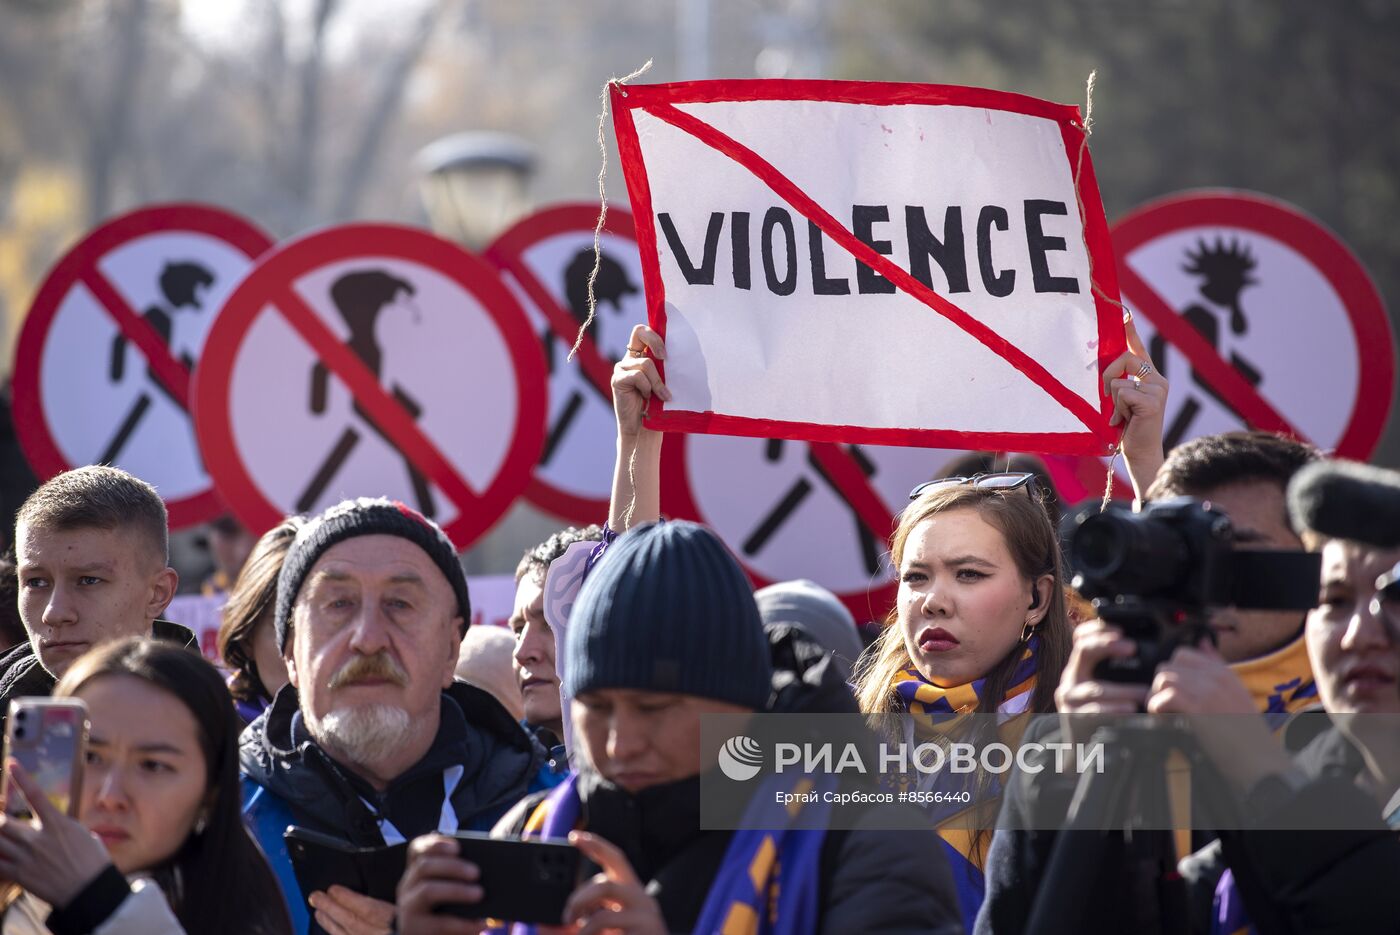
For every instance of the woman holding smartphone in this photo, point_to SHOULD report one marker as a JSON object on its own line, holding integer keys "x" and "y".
{"x": 158, "y": 846}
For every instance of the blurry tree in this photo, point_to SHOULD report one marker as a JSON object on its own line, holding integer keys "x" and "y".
{"x": 1291, "y": 98}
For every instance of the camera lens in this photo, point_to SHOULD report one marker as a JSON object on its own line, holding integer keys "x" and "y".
{"x": 19, "y": 731}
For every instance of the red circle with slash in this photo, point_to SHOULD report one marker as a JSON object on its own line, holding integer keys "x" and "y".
{"x": 80, "y": 268}
{"x": 869, "y": 484}
{"x": 1310, "y": 243}
{"x": 509, "y": 254}
{"x": 272, "y": 288}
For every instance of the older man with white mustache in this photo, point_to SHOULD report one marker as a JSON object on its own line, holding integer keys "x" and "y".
{"x": 374, "y": 741}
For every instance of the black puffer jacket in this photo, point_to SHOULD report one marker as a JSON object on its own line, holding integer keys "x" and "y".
{"x": 870, "y": 880}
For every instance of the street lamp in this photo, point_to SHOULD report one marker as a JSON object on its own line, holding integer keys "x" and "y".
{"x": 473, "y": 184}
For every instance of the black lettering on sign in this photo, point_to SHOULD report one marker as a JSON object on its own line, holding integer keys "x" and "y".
{"x": 949, "y": 253}
{"x": 821, "y": 285}
{"x": 704, "y": 274}
{"x": 1039, "y": 243}
{"x": 863, "y": 220}
{"x": 739, "y": 240}
{"x": 777, "y": 217}
{"x": 996, "y": 283}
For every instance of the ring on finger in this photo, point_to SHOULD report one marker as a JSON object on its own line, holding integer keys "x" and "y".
{"x": 637, "y": 351}
{"x": 1143, "y": 371}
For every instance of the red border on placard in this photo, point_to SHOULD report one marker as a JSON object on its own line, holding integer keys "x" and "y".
{"x": 659, "y": 101}
{"x": 273, "y": 280}
{"x": 508, "y": 252}
{"x": 32, "y": 428}
{"x": 1312, "y": 240}
{"x": 677, "y": 501}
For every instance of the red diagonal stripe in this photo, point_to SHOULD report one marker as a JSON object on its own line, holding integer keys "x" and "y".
{"x": 163, "y": 364}
{"x": 382, "y": 407}
{"x": 595, "y": 366}
{"x": 852, "y": 483}
{"x": 1247, "y": 400}
{"x": 784, "y": 188}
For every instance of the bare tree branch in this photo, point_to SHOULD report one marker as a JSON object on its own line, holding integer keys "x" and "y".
{"x": 112, "y": 125}
{"x": 386, "y": 106}
{"x": 303, "y": 155}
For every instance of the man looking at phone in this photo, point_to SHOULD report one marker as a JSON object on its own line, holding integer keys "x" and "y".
{"x": 373, "y": 741}
{"x": 664, "y": 632}
{"x": 92, "y": 562}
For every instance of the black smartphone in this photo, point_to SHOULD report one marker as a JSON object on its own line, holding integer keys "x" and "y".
{"x": 323, "y": 860}
{"x": 522, "y": 880}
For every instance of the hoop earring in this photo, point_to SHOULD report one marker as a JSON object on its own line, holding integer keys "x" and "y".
{"x": 1027, "y": 631}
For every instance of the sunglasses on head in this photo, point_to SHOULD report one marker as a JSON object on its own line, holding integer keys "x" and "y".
{"x": 1006, "y": 480}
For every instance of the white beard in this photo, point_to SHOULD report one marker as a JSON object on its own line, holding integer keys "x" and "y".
{"x": 364, "y": 735}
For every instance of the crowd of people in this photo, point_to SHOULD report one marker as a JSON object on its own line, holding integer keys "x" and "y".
{"x": 356, "y": 706}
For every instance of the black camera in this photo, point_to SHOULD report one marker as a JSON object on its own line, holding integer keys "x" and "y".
{"x": 1156, "y": 575}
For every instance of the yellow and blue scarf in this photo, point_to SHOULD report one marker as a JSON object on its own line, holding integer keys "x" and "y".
{"x": 935, "y": 710}
{"x": 921, "y": 697}
{"x": 1281, "y": 682}
{"x": 769, "y": 880}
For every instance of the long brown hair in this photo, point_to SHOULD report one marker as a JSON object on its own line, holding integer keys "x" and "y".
{"x": 1031, "y": 540}
{"x": 218, "y": 881}
{"x": 253, "y": 594}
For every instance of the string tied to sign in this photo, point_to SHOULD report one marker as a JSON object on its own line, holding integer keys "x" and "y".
{"x": 1086, "y": 125}
{"x": 619, "y": 83}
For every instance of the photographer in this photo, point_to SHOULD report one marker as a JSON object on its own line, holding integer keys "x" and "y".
{"x": 1258, "y": 664}
{"x": 1348, "y": 776}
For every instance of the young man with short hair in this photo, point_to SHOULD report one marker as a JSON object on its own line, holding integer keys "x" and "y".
{"x": 92, "y": 563}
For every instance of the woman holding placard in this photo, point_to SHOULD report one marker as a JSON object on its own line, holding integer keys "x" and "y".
{"x": 980, "y": 623}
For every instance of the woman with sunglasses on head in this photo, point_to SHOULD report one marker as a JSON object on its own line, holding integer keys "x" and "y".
{"x": 158, "y": 847}
{"x": 980, "y": 623}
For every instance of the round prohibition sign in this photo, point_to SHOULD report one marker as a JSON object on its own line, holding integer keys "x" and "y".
{"x": 1315, "y": 333}
{"x": 67, "y": 337}
{"x": 549, "y": 256}
{"x": 791, "y": 509}
{"x": 439, "y": 383}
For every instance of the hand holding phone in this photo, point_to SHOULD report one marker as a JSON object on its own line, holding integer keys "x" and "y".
{"x": 48, "y": 736}
{"x": 519, "y": 880}
{"x": 53, "y": 857}
{"x": 434, "y": 875}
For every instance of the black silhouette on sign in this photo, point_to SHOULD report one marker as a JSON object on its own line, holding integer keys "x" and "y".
{"x": 180, "y": 284}
{"x": 799, "y": 491}
{"x": 612, "y": 285}
{"x": 359, "y": 297}
{"x": 1226, "y": 270}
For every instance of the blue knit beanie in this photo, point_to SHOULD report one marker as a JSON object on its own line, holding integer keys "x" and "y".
{"x": 668, "y": 609}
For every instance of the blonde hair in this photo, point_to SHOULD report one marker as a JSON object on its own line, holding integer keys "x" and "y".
{"x": 1024, "y": 524}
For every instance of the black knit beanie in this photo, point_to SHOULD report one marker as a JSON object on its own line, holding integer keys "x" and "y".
{"x": 365, "y": 517}
{"x": 668, "y": 609}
